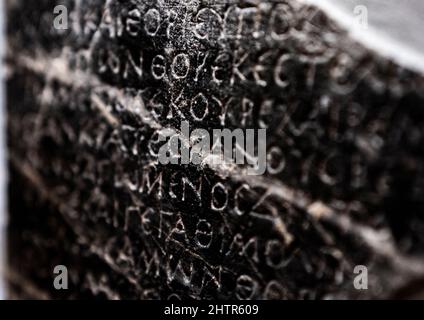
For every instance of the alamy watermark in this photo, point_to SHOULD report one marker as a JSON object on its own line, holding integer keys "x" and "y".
{"x": 60, "y": 281}
{"x": 361, "y": 17}
{"x": 225, "y": 147}
{"x": 60, "y": 21}
{"x": 360, "y": 282}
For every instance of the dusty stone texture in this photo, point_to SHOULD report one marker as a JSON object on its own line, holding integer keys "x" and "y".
{"x": 344, "y": 136}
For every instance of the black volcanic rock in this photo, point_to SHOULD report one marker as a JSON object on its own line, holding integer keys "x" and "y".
{"x": 345, "y": 130}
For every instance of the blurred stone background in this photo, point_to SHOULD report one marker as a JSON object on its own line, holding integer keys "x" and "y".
{"x": 78, "y": 145}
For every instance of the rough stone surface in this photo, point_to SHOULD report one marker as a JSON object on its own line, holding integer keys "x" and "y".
{"x": 345, "y": 131}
